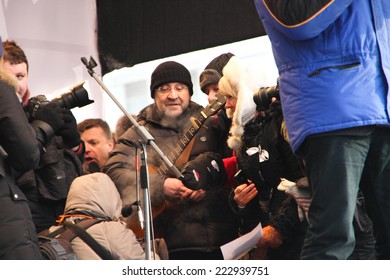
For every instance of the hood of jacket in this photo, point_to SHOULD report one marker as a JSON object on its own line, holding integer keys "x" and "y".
{"x": 96, "y": 194}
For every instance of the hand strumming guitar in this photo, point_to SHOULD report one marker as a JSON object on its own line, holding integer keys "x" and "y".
{"x": 174, "y": 189}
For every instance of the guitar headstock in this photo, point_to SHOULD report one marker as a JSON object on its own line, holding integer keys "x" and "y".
{"x": 215, "y": 105}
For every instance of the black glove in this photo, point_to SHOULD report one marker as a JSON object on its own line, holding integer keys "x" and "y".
{"x": 70, "y": 134}
{"x": 50, "y": 113}
{"x": 203, "y": 172}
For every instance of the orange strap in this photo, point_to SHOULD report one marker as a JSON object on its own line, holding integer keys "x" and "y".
{"x": 61, "y": 218}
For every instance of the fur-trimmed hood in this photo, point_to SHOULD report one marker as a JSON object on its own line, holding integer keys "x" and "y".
{"x": 241, "y": 83}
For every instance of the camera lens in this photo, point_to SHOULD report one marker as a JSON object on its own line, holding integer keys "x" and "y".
{"x": 263, "y": 97}
{"x": 76, "y": 97}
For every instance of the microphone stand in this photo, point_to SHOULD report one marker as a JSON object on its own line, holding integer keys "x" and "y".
{"x": 147, "y": 140}
{"x": 149, "y": 235}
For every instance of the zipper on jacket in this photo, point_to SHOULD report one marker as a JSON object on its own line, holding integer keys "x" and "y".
{"x": 340, "y": 67}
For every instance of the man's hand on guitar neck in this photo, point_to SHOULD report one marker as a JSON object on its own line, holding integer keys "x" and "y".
{"x": 174, "y": 189}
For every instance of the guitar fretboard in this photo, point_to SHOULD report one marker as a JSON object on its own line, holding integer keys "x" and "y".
{"x": 196, "y": 123}
{"x": 183, "y": 142}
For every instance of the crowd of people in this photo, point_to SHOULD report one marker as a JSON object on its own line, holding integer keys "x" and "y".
{"x": 307, "y": 158}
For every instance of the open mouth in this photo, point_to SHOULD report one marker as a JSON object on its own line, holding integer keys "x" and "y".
{"x": 89, "y": 160}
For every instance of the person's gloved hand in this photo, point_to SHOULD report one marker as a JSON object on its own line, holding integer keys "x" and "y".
{"x": 205, "y": 171}
{"x": 271, "y": 238}
{"x": 50, "y": 113}
{"x": 301, "y": 192}
{"x": 70, "y": 134}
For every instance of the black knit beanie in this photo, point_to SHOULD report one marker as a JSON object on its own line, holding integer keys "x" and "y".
{"x": 170, "y": 72}
{"x": 213, "y": 71}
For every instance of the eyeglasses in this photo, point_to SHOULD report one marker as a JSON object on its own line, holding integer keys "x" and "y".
{"x": 168, "y": 88}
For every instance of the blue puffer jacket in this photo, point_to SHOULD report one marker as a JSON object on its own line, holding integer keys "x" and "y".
{"x": 334, "y": 62}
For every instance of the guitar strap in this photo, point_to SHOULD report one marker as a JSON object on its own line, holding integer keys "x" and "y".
{"x": 185, "y": 153}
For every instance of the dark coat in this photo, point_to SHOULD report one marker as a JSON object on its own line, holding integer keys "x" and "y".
{"x": 18, "y": 139}
{"x": 47, "y": 186}
{"x": 271, "y": 207}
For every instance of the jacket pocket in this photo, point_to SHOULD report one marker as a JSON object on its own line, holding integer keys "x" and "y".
{"x": 330, "y": 67}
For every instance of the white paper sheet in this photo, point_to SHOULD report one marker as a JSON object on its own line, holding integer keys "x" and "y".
{"x": 240, "y": 246}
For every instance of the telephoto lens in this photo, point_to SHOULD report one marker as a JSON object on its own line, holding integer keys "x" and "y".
{"x": 77, "y": 96}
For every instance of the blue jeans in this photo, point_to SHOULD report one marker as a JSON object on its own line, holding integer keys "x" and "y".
{"x": 337, "y": 166}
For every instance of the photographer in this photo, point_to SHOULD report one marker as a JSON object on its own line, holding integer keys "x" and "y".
{"x": 21, "y": 148}
{"x": 47, "y": 185}
{"x": 264, "y": 157}
{"x": 264, "y": 154}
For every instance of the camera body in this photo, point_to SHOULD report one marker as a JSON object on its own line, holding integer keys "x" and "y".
{"x": 77, "y": 96}
{"x": 240, "y": 177}
{"x": 263, "y": 97}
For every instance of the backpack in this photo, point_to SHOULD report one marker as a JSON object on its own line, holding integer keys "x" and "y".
{"x": 57, "y": 244}
{"x": 50, "y": 182}
{"x": 61, "y": 167}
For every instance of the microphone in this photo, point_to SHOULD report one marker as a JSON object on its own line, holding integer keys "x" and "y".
{"x": 84, "y": 60}
{"x": 127, "y": 210}
{"x": 89, "y": 64}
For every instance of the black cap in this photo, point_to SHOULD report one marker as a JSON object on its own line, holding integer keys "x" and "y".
{"x": 170, "y": 72}
{"x": 213, "y": 71}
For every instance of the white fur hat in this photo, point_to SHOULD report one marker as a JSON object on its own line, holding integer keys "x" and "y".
{"x": 235, "y": 75}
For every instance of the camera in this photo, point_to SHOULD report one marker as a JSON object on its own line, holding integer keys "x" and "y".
{"x": 263, "y": 97}
{"x": 77, "y": 96}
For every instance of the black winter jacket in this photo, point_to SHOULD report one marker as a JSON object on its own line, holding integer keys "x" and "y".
{"x": 271, "y": 207}
{"x": 21, "y": 152}
{"x": 47, "y": 186}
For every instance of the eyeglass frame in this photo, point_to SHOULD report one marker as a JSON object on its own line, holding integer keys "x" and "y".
{"x": 169, "y": 88}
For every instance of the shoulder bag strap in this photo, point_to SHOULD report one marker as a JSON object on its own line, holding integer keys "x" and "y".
{"x": 79, "y": 230}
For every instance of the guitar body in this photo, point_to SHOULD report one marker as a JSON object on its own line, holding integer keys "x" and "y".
{"x": 161, "y": 215}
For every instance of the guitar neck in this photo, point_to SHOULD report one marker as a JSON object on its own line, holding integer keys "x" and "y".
{"x": 196, "y": 123}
